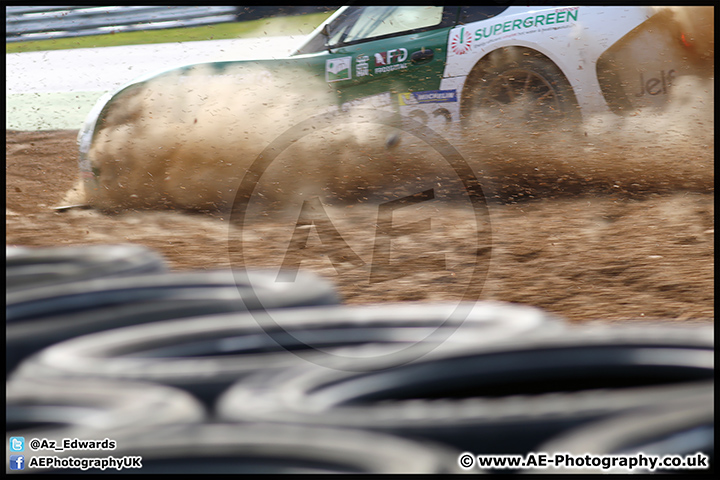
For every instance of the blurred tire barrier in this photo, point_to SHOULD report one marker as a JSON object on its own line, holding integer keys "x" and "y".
{"x": 39, "y": 317}
{"x": 205, "y": 355}
{"x": 56, "y": 409}
{"x": 33, "y": 267}
{"x": 267, "y": 448}
{"x": 679, "y": 428}
{"x": 498, "y": 398}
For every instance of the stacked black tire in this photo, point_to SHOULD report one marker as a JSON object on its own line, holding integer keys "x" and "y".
{"x": 235, "y": 372}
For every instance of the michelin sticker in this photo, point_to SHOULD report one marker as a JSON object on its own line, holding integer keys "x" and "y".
{"x": 337, "y": 69}
{"x": 430, "y": 96}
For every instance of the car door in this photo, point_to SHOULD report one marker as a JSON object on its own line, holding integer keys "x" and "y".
{"x": 380, "y": 51}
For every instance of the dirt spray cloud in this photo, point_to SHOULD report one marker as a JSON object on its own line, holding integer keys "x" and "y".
{"x": 185, "y": 141}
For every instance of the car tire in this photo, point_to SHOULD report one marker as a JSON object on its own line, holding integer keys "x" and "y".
{"x": 503, "y": 398}
{"x": 205, "y": 355}
{"x": 34, "y": 267}
{"x": 46, "y": 408}
{"x": 511, "y": 74}
{"x": 39, "y": 317}
{"x": 51, "y": 410}
{"x": 219, "y": 448}
{"x": 685, "y": 428}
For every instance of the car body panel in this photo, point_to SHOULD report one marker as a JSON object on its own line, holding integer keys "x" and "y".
{"x": 573, "y": 44}
{"x": 383, "y": 66}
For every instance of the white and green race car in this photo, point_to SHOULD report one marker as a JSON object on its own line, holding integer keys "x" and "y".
{"x": 446, "y": 63}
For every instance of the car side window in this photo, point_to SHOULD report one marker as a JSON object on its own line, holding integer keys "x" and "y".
{"x": 358, "y": 24}
{"x": 378, "y": 21}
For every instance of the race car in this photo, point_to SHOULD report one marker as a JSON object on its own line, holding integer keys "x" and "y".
{"x": 447, "y": 64}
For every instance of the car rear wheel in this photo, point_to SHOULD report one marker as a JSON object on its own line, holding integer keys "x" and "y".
{"x": 520, "y": 86}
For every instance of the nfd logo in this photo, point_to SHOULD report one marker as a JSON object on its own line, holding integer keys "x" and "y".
{"x": 397, "y": 55}
{"x": 460, "y": 41}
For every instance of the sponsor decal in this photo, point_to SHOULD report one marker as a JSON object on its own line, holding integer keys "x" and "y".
{"x": 391, "y": 68}
{"x": 521, "y": 24}
{"x": 460, "y": 41}
{"x": 656, "y": 85}
{"x": 396, "y": 55}
{"x": 337, "y": 69}
{"x": 429, "y": 96}
{"x": 391, "y": 60}
{"x": 361, "y": 66}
